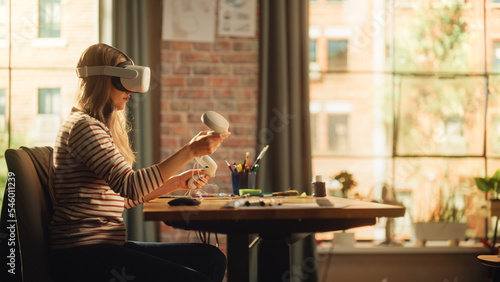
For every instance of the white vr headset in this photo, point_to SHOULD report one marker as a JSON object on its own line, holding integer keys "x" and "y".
{"x": 125, "y": 76}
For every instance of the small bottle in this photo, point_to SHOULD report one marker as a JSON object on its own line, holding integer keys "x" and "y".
{"x": 318, "y": 187}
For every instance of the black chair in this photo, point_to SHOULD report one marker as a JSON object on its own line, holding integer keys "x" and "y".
{"x": 29, "y": 188}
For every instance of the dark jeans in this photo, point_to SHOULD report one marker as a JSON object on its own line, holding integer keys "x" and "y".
{"x": 135, "y": 261}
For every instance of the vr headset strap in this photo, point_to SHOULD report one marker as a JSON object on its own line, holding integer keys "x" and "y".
{"x": 106, "y": 70}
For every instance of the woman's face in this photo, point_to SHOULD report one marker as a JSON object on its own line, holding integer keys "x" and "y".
{"x": 120, "y": 98}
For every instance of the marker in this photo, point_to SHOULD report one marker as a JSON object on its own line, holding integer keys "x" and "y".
{"x": 255, "y": 168}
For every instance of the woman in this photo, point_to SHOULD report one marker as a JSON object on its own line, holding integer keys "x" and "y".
{"x": 94, "y": 182}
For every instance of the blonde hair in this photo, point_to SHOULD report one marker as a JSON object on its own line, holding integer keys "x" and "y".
{"x": 94, "y": 97}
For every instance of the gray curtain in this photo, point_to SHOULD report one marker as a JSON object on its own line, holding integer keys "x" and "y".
{"x": 136, "y": 32}
{"x": 284, "y": 96}
{"x": 284, "y": 112}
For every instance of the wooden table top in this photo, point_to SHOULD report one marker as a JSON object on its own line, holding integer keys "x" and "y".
{"x": 294, "y": 208}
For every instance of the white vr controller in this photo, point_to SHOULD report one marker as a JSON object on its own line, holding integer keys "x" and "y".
{"x": 218, "y": 124}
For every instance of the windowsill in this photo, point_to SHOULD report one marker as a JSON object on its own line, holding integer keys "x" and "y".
{"x": 49, "y": 42}
{"x": 363, "y": 248}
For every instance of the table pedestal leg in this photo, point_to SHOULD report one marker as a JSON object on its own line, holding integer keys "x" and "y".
{"x": 237, "y": 257}
{"x": 273, "y": 259}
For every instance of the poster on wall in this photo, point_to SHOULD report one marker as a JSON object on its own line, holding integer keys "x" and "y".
{"x": 237, "y": 18}
{"x": 189, "y": 20}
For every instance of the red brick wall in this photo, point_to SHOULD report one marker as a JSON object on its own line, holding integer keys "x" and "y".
{"x": 219, "y": 76}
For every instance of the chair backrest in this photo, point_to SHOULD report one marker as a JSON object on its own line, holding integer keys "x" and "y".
{"x": 31, "y": 170}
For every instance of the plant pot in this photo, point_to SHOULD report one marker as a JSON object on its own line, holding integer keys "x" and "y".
{"x": 344, "y": 239}
{"x": 453, "y": 232}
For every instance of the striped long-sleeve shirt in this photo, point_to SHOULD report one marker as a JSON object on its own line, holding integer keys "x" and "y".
{"x": 93, "y": 184}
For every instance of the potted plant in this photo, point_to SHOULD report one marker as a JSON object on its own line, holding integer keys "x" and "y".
{"x": 345, "y": 239}
{"x": 491, "y": 185}
{"x": 346, "y": 180}
{"x": 447, "y": 223}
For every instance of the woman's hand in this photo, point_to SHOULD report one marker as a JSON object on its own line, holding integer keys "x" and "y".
{"x": 206, "y": 142}
{"x": 178, "y": 182}
{"x": 181, "y": 180}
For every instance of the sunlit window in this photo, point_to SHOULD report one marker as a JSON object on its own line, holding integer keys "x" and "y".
{"x": 407, "y": 100}
{"x": 37, "y": 68}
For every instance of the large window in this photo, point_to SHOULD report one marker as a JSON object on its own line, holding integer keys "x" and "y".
{"x": 37, "y": 76}
{"x": 408, "y": 99}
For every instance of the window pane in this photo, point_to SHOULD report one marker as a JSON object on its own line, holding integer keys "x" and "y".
{"x": 4, "y": 20}
{"x": 4, "y": 35}
{"x": 441, "y": 116}
{"x": 442, "y": 36}
{"x": 49, "y": 18}
{"x": 495, "y": 60}
{"x": 434, "y": 181}
{"x": 363, "y": 31}
{"x": 363, "y": 109}
{"x": 493, "y": 118}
